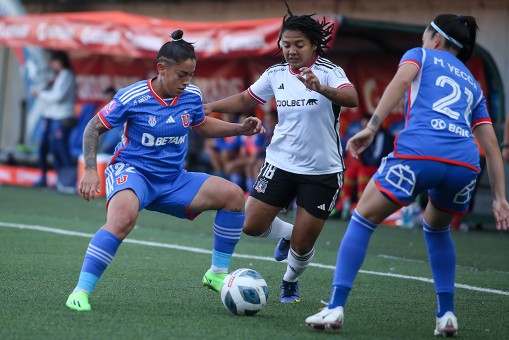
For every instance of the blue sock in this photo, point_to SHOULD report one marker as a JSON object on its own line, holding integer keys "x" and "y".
{"x": 350, "y": 258}
{"x": 227, "y": 231}
{"x": 100, "y": 252}
{"x": 442, "y": 260}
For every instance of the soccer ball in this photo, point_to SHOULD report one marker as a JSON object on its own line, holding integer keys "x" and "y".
{"x": 244, "y": 292}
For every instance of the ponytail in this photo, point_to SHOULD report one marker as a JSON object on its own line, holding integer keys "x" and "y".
{"x": 460, "y": 33}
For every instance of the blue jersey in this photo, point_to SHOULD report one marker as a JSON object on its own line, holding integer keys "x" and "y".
{"x": 442, "y": 106}
{"x": 156, "y": 130}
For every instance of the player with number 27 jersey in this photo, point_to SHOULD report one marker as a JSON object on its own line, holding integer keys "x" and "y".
{"x": 458, "y": 106}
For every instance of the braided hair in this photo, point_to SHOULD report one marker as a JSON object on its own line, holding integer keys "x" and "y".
{"x": 462, "y": 29}
{"x": 177, "y": 50}
{"x": 319, "y": 33}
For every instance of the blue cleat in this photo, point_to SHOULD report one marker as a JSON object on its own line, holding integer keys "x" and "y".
{"x": 290, "y": 292}
{"x": 281, "y": 251}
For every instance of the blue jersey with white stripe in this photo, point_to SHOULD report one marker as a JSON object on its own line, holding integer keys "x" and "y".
{"x": 443, "y": 105}
{"x": 156, "y": 130}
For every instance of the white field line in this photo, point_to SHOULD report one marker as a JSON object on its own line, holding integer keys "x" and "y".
{"x": 251, "y": 257}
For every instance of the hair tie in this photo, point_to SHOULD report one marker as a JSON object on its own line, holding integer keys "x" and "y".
{"x": 461, "y": 18}
{"x": 179, "y": 39}
{"x": 442, "y": 33}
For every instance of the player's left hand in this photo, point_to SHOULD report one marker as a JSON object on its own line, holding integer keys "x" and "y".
{"x": 360, "y": 142}
{"x": 207, "y": 108}
{"x": 251, "y": 126}
{"x": 309, "y": 79}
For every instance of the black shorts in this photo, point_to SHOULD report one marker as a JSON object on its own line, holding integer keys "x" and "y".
{"x": 315, "y": 193}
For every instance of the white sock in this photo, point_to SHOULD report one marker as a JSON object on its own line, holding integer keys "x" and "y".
{"x": 297, "y": 264}
{"x": 217, "y": 270}
{"x": 279, "y": 229}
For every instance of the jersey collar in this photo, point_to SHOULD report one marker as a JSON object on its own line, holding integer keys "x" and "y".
{"x": 294, "y": 71}
{"x": 158, "y": 98}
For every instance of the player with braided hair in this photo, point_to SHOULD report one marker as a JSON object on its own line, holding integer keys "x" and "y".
{"x": 147, "y": 168}
{"x": 435, "y": 152}
{"x": 304, "y": 159}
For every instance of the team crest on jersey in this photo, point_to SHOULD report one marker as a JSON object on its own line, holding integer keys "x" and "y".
{"x": 261, "y": 186}
{"x": 121, "y": 179}
{"x": 152, "y": 121}
{"x": 185, "y": 119}
{"x": 108, "y": 107}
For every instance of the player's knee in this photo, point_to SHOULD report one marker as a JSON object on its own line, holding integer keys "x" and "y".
{"x": 252, "y": 229}
{"x": 233, "y": 197}
{"x": 122, "y": 224}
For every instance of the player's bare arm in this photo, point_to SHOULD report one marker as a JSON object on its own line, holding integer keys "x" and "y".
{"x": 233, "y": 104}
{"x": 393, "y": 93}
{"x": 91, "y": 135}
{"x": 213, "y": 127}
{"x": 90, "y": 182}
{"x": 346, "y": 96}
{"x": 374, "y": 123}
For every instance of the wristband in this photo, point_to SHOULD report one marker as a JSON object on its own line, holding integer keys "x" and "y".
{"x": 504, "y": 145}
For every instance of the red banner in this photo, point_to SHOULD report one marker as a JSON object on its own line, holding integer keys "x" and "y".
{"x": 123, "y": 34}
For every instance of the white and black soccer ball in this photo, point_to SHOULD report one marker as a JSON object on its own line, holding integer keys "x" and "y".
{"x": 244, "y": 292}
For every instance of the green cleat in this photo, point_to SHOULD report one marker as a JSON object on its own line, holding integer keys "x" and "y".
{"x": 213, "y": 281}
{"x": 78, "y": 301}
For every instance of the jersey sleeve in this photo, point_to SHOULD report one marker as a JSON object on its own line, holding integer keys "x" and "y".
{"x": 113, "y": 114}
{"x": 261, "y": 90}
{"x": 413, "y": 56}
{"x": 198, "y": 115}
{"x": 480, "y": 114}
{"x": 337, "y": 78}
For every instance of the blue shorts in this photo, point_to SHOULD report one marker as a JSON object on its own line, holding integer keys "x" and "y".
{"x": 170, "y": 197}
{"x": 450, "y": 187}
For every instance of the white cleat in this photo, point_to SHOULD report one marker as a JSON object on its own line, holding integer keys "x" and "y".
{"x": 447, "y": 325}
{"x": 326, "y": 318}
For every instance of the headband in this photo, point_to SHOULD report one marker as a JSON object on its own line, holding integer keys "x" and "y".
{"x": 442, "y": 33}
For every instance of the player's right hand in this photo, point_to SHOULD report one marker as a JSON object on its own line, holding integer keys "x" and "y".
{"x": 90, "y": 184}
{"x": 501, "y": 213}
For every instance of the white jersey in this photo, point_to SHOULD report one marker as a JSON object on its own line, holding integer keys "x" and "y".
{"x": 306, "y": 138}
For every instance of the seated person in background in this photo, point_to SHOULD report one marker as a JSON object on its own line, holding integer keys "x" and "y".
{"x": 359, "y": 171}
{"x": 224, "y": 151}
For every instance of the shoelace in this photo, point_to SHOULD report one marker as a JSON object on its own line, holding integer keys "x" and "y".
{"x": 323, "y": 303}
{"x": 289, "y": 286}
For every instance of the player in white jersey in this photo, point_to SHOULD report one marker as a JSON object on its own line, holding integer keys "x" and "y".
{"x": 304, "y": 159}
{"x": 147, "y": 169}
{"x": 435, "y": 152}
